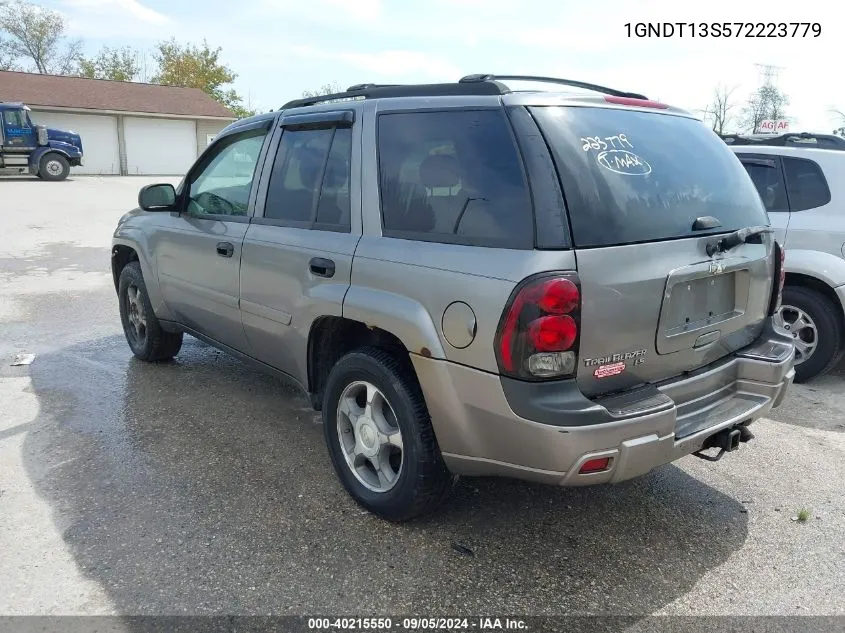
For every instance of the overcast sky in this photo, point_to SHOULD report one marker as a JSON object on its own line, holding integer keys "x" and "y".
{"x": 281, "y": 47}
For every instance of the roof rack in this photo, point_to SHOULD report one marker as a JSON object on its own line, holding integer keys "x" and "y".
{"x": 793, "y": 139}
{"x": 469, "y": 85}
{"x": 553, "y": 80}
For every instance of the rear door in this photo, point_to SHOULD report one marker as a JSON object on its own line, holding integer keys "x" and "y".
{"x": 297, "y": 253}
{"x": 647, "y": 193}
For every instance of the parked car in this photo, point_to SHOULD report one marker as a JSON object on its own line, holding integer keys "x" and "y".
{"x": 470, "y": 280}
{"x": 800, "y": 179}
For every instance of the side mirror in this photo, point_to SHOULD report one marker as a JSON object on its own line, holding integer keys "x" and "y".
{"x": 160, "y": 197}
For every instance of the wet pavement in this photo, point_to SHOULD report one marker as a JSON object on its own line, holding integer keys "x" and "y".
{"x": 202, "y": 486}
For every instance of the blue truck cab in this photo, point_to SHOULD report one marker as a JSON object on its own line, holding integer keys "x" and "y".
{"x": 41, "y": 151}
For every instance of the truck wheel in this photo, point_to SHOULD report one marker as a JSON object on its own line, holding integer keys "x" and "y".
{"x": 380, "y": 438}
{"x": 814, "y": 323}
{"x": 53, "y": 167}
{"x": 147, "y": 340}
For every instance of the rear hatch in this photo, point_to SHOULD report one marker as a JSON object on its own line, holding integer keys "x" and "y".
{"x": 646, "y": 193}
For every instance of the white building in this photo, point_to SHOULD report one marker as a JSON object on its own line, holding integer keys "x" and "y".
{"x": 127, "y": 128}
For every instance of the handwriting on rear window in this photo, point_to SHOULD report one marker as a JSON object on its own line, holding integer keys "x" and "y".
{"x": 618, "y": 141}
{"x": 623, "y": 162}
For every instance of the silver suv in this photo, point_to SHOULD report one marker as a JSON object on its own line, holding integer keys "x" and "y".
{"x": 800, "y": 179}
{"x": 570, "y": 288}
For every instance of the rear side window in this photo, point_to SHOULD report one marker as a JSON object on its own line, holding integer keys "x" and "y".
{"x": 309, "y": 184}
{"x": 767, "y": 177}
{"x": 806, "y": 184}
{"x": 453, "y": 177}
{"x": 631, "y": 176}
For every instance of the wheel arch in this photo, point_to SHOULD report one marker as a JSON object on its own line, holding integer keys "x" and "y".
{"x": 38, "y": 154}
{"x": 332, "y": 337}
{"x": 803, "y": 280}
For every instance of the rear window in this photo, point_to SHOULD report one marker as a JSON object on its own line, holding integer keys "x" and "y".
{"x": 632, "y": 177}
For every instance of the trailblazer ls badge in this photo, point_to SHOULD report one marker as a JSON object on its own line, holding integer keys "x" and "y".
{"x": 613, "y": 365}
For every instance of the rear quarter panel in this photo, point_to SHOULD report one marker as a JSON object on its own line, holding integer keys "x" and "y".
{"x": 405, "y": 286}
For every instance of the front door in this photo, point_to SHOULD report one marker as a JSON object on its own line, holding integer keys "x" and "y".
{"x": 297, "y": 255}
{"x": 199, "y": 249}
{"x": 18, "y": 134}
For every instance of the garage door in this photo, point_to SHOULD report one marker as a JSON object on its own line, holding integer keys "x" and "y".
{"x": 99, "y": 139}
{"x": 159, "y": 147}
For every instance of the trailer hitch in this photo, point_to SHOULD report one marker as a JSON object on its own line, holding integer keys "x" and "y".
{"x": 726, "y": 441}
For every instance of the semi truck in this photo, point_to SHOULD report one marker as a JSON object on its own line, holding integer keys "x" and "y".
{"x": 26, "y": 147}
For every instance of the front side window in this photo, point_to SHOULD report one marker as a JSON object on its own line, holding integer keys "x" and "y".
{"x": 806, "y": 184}
{"x": 15, "y": 118}
{"x": 222, "y": 185}
{"x": 309, "y": 184}
{"x": 453, "y": 177}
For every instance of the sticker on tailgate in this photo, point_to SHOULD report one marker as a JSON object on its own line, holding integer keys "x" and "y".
{"x": 605, "y": 371}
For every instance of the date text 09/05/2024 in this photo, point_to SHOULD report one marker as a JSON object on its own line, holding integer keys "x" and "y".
{"x": 480, "y": 624}
{"x": 723, "y": 29}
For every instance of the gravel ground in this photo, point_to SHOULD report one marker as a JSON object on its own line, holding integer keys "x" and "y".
{"x": 203, "y": 487}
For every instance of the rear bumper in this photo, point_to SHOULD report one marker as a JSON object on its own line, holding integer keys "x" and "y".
{"x": 480, "y": 434}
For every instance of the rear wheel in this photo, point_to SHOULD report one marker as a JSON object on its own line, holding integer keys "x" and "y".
{"x": 53, "y": 167}
{"x": 813, "y": 321}
{"x": 380, "y": 438}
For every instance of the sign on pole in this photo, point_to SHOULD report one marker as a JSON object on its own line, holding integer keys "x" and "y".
{"x": 773, "y": 126}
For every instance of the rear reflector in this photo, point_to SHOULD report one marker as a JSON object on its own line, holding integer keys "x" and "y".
{"x": 595, "y": 465}
{"x": 640, "y": 103}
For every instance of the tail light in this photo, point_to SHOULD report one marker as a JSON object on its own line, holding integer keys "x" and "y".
{"x": 539, "y": 329}
{"x": 780, "y": 278}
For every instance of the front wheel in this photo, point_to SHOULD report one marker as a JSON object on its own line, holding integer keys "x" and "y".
{"x": 380, "y": 437}
{"x": 53, "y": 167}
{"x": 815, "y": 325}
{"x": 146, "y": 338}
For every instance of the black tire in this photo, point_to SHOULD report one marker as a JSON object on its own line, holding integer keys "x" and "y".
{"x": 53, "y": 167}
{"x": 826, "y": 317}
{"x": 153, "y": 344}
{"x": 423, "y": 481}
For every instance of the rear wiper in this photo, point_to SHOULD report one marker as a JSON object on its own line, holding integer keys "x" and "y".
{"x": 732, "y": 240}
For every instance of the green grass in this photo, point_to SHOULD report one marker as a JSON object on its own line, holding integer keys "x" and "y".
{"x": 803, "y": 515}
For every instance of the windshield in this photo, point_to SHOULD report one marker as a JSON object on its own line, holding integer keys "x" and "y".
{"x": 632, "y": 176}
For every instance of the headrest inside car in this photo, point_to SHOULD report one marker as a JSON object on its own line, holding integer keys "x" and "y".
{"x": 440, "y": 170}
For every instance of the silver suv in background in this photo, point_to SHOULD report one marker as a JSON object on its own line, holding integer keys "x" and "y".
{"x": 565, "y": 287}
{"x": 801, "y": 179}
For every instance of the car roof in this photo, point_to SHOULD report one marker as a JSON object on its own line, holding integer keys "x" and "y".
{"x": 789, "y": 150}
{"x": 791, "y": 139}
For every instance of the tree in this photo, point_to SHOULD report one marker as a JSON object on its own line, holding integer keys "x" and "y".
{"x": 767, "y": 102}
{"x": 325, "y": 89}
{"x": 840, "y": 129}
{"x": 718, "y": 113}
{"x": 117, "y": 64}
{"x": 36, "y": 35}
{"x": 191, "y": 66}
